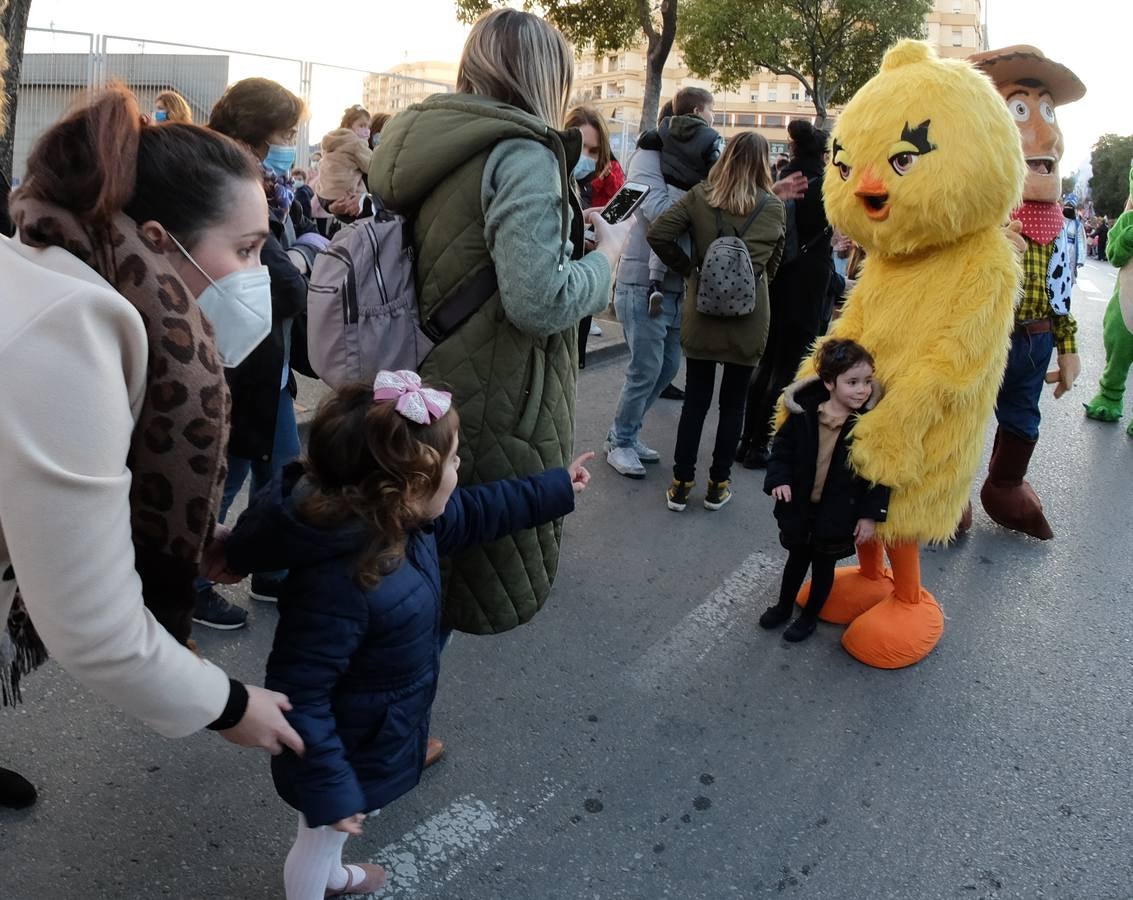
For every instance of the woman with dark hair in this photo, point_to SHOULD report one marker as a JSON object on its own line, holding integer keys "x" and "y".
{"x": 113, "y": 419}
{"x": 264, "y": 116}
{"x": 799, "y": 306}
{"x": 599, "y": 176}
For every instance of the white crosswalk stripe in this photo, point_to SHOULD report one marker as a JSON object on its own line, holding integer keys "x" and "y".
{"x": 735, "y": 602}
{"x": 445, "y": 844}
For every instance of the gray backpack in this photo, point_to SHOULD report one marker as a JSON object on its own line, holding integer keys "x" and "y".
{"x": 728, "y": 280}
{"x": 362, "y": 312}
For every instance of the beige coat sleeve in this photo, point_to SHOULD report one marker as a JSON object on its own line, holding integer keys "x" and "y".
{"x": 73, "y": 379}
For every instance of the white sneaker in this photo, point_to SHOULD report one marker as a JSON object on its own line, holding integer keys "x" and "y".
{"x": 595, "y": 331}
{"x": 624, "y": 461}
{"x": 646, "y": 454}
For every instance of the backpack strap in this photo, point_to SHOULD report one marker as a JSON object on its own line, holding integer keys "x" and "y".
{"x": 758, "y": 208}
{"x": 455, "y": 309}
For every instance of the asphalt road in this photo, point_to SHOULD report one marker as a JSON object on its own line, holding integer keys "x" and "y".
{"x": 643, "y": 738}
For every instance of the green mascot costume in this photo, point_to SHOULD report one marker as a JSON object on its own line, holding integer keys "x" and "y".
{"x": 1106, "y": 406}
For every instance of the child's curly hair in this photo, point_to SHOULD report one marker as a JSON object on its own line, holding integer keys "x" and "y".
{"x": 370, "y": 463}
{"x": 838, "y": 355}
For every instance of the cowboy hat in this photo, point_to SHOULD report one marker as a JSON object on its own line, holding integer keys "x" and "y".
{"x": 1021, "y": 61}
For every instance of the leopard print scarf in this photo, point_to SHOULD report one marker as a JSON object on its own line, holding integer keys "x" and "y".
{"x": 177, "y": 451}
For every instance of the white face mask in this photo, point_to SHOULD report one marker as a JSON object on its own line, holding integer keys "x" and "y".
{"x": 239, "y": 308}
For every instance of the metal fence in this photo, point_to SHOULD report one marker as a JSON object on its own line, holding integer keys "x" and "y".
{"x": 60, "y": 68}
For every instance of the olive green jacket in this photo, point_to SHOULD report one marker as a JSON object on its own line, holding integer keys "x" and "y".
{"x": 487, "y": 185}
{"x": 740, "y": 340}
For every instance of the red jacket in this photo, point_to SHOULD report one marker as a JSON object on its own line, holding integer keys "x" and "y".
{"x": 602, "y": 190}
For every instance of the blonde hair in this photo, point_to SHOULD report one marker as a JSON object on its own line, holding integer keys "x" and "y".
{"x": 519, "y": 59}
{"x": 176, "y": 107}
{"x": 742, "y": 171}
{"x": 588, "y": 115}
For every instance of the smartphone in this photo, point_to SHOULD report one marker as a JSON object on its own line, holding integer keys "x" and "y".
{"x": 625, "y": 202}
{"x": 622, "y": 205}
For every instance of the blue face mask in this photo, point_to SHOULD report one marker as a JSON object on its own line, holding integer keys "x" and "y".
{"x": 160, "y": 115}
{"x": 585, "y": 166}
{"x": 280, "y": 158}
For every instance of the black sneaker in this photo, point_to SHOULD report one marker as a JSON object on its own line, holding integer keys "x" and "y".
{"x": 214, "y": 611}
{"x": 266, "y": 589}
{"x": 672, "y": 392}
{"x": 676, "y": 497}
{"x": 718, "y": 496}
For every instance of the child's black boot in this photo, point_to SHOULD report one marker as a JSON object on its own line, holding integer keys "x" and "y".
{"x": 776, "y": 615}
{"x": 800, "y": 629}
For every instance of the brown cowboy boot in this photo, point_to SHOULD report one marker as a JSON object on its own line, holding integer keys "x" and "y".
{"x": 1006, "y": 496}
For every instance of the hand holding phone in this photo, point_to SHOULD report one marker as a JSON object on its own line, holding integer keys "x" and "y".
{"x": 609, "y": 240}
{"x": 622, "y": 205}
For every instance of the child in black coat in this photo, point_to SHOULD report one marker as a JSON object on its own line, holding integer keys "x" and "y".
{"x": 822, "y": 505}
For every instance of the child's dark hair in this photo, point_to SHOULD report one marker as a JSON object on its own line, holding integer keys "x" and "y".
{"x": 369, "y": 462}
{"x": 836, "y": 356}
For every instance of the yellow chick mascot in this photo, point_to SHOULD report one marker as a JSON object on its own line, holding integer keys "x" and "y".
{"x": 925, "y": 169}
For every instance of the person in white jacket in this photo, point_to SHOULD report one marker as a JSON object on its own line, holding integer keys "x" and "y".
{"x": 103, "y": 349}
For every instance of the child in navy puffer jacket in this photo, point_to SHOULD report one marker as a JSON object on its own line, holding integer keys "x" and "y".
{"x": 361, "y": 525}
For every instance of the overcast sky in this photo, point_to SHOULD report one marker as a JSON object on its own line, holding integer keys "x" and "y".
{"x": 1090, "y": 37}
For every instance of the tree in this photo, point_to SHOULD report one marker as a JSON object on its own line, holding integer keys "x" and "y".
{"x": 13, "y": 25}
{"x": 1068, "y": 182}
{"x": 831, "y": 46}
{"x": 606, "y": 26}
{"x": 1109, "y": 184}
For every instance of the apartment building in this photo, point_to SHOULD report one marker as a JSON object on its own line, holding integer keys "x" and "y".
{"x": 615, "y": 82}
{"x": 406, "y": 84}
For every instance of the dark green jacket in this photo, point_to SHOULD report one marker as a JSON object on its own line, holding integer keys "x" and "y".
{"x": 488, "y": 185}
{"x": 739, "y": 340}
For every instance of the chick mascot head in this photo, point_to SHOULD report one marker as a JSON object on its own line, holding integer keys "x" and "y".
{"x": 923, "y": 176}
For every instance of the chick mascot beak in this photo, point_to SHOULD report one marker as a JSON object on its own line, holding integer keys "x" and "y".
{"x": 934, "y": 307}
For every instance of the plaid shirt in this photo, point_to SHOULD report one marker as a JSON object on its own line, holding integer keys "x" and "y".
{"x": 1036, "y": 301}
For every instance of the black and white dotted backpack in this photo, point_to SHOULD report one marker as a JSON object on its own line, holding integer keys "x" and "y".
{"x": 728, "y": 280}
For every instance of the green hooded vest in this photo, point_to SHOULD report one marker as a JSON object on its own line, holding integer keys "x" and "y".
{"x": 514, "y": 391}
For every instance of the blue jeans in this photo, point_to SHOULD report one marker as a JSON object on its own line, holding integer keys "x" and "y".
{"x": 654, "y": 356}
{"x": 285, "y": 449}
{"x": 1017, "y": 406}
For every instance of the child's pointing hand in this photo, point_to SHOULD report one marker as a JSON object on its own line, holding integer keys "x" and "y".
{"x": 579, "y": 476}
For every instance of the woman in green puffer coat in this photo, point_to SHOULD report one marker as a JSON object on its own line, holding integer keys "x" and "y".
{"x": 484, "y": 175}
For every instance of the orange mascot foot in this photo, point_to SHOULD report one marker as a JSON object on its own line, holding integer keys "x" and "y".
{"x": 904, "y": 627}
{"x": 856, "y": 589}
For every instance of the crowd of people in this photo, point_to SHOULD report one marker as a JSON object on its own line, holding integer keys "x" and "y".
{"x": 166, "y": 323}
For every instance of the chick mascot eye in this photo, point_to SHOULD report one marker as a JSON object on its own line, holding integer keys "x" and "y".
{"x": 1019, "y": 110}
{"x": 1047, "y": 111}
{"x": 902, "y": 162}
{"x": 843, "y": 170}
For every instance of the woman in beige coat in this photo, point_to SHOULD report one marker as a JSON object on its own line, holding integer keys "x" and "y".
{"x": 113, "y": 417}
